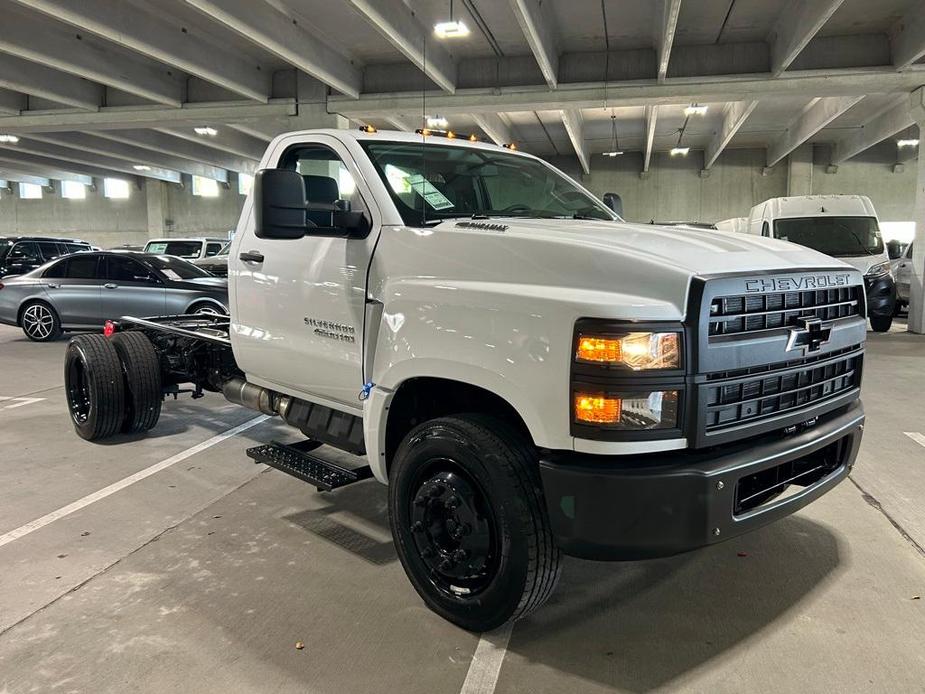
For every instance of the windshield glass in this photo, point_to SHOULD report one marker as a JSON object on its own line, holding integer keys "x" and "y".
{"x": 181, "y": 249}
{"x": 5, "y": 246}
{"x": 225, "y": 250}
{"x": 175, "y": 268}
{"x": 435, "y": 182}
{"x": 837, "y": 236}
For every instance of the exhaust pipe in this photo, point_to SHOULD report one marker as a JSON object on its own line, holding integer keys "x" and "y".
{"x": 254, "y": 397}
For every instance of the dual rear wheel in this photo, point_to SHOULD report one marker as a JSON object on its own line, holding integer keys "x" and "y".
{"x": 113, "y": 385}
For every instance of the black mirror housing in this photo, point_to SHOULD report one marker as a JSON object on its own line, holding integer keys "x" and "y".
{"x": 614, "y": 202}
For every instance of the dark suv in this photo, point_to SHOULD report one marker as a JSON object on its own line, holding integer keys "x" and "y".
{"x": 20, "y": 254}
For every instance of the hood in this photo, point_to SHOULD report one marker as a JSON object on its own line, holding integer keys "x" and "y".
{"x": 863, "y": 263}
{"x": 695, "y": 251}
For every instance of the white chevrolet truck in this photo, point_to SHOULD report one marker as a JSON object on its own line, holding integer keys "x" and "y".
{"x": 530, "y": 375}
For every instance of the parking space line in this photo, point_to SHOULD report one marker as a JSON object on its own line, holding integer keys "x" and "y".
{"x": 49, "y": 518}
{"x": 485, "y": 667}
{"x": 915, "y": 436}
{"x": 19, "y": 402}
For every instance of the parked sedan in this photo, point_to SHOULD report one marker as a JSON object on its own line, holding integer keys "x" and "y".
{"x": 81, "y": 291}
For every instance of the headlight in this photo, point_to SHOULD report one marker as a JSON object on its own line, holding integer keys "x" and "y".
{"x": 635, "y": 411}
{"x": 878, "y": 269}
{"x": 639, "y": 351}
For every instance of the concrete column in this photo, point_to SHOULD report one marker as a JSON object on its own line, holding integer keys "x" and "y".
{"x": 917, "y": 293}
{"x": 156, "y": 202}
{"x": 800, "y": 170}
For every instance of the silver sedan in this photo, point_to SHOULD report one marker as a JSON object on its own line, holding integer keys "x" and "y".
{"x": 82, "y": 291}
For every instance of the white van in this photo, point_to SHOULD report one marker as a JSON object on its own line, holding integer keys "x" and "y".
{"x": 842, "y": 226}
{"x": 733, "y": 224}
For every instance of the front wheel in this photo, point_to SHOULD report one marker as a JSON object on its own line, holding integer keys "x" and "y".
{"x": 40, "y": 322}
{"x": 881, "y": 324}
{"x": 469, "y": 521}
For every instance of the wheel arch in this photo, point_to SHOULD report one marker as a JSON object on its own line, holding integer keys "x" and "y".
{"x": 25, "y": 303}
{"x": 206, "y": 300}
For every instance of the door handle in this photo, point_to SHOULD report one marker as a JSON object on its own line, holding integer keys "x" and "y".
{"x": 110, "y": 285}
{"x": 251, "y": 256}
{"x": 53, "y": 285}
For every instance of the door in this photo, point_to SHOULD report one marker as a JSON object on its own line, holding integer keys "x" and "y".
{"x": 73, "y": 286}
{"x": 299, "y": 303}
{"x": 23, "y": 257}
{"x": 130, "y": 289}
{"x": 904, "y": 275}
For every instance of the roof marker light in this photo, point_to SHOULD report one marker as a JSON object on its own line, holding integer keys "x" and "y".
{"x": 510, "y": 145}
{"x": 368, "y": 129}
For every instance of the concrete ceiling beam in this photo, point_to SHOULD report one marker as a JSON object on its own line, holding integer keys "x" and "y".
{"x": 907, "y": 37}
{"x": 884, "y": 125}
{"x": 651, "y": 121}
{"x": 495, "y": 126}
{"x": 798, "y": 22}
{"x": 37, "y": 164}
{"x": 814, "y": 118}
{"x": 575, "y": 127}
{"x": 536, "y": 24}
{"x": 31, "y": 78}
{"x": 734, "y": 116}
{"x": 666, "y": 22}
{"x": 226, "y": 140}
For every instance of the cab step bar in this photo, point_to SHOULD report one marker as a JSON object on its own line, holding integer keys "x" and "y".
{"x": 295, "y": 459}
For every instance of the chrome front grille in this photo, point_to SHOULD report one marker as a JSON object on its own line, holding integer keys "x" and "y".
{"x": 747, "y": 313}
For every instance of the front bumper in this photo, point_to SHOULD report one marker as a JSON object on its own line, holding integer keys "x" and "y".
{"x": 881, "y": 295}
{"x": 615, "y": 508}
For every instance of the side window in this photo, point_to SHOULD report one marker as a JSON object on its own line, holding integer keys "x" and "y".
{"x": 75, "y": 247}
{"x": 25, "y": 252}
{"x": 51, "y": 250}
{"x": 765, "y": 229}
{"x": 123, "y": 269}
{"x": 58, "y": 270}
{"x": 213, "y": 249}
{"x": 82, "y": 267}
{"x": 326, "y": 178}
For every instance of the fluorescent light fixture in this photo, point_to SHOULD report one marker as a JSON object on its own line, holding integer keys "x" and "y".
{"x": 680, "y": 151}
{"x": 116, "y": 188}
{"x": 611, "y": 154}
{"x": 73, "y": 190}
{"x": 907, "y": 143}
{"x": 141, "y": 167}
{"x": 206, "y": 130}
{"x": 205, "y": 187}
{"x": 437, "y": 122}
{"x": 9, "y": 139}
{"x": 454, "y": 29}
{"x": 695, "y": 110}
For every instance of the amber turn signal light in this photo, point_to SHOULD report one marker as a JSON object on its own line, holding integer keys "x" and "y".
{"x": 597, "y": 409}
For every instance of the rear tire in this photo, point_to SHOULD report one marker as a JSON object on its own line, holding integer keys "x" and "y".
{"x": 93, "y": 384}
{"x": 40, "y": 322}
{"x": 881, "y": 324}
{"x": 208, "y": 309}
{"x": 469, "y": 521}
{"x": 142, "y": 369}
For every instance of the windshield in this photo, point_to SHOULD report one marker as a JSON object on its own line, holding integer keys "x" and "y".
{"x": 181, "y": 249}
{"x": 175, "y": 268}
{"x": 225, "y": 249}
{"x": 435, "y": 182}
{"x": 837, "y": 236}
{"x": 5, "y": 246}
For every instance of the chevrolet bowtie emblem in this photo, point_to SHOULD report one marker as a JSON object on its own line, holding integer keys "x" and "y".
{"x": 810, "y": 333}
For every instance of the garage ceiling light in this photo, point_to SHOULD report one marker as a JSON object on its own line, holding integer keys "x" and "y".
{"x": 680, "y": 151}
{"x": 437, "y": 122}
{"x": 695, "y": 110}
{"x": 141, "y": 167}
{"x": 453, "y": 29}
{"x": 206, "y": 130}
{"x": 907, "y": 143}
{"x": 9, "y": 139}
{"x": 615, "y": 150}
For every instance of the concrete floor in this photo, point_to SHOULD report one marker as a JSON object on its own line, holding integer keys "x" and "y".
{"x": 203, "y": 576}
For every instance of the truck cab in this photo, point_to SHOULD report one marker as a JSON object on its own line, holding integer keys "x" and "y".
{"x": 530, "y": 375}
{"x": 842, "y": 226}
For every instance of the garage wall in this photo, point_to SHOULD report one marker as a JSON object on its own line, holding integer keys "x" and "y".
{"x": 106, "y": 222}
{"x": 675, "y": 190}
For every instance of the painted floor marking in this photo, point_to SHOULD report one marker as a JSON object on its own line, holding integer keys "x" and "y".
{"x": 486, "y": 663}
{"x": 916, "y": 436}
{"x": 49, "y": 518}
{"x": 18, "y": 402}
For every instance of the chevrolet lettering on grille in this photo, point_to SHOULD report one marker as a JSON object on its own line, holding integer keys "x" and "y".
{"x": 810, "y": 334}
{"x": 792, "y": 284}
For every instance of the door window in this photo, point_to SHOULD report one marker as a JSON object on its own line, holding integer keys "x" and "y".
{"x": 57, "y": 270}
{"x": 81, "y": 267}
{"x": 25, "y": 252}
{"x": 765, "y": 229}
{"x": 120, "y": 269}
{"x": 51, "y": 250}
{"x": 75, "y": 247}
{"x": 326, "y": 178}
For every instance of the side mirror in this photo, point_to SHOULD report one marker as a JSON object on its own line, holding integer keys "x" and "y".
{"x": 614, "y": 202}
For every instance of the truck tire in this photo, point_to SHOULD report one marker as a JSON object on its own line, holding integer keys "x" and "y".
{"x": 93, "y": 384}
{"x": 881, "y": 324}
{"x": 469, "y": 521}
{"x": 142, "y": 369}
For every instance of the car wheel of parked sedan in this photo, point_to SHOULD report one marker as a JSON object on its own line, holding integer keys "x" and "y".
{"x": 142, "y": 370}
{"x": 208, "y": 309}
{"x": 40, "y": 322}
{"x": 94, "y": 387}
{"x": 881, "y": 324}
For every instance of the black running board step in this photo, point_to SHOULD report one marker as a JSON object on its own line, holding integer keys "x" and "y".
{"x": 294, "y": 460}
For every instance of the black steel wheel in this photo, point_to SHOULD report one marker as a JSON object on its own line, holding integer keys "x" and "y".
{"x": 141, "y": 368}
{"x": 93, "y": 385}
{"x": 469, "y": 521}
{"x": 40, "y": 322}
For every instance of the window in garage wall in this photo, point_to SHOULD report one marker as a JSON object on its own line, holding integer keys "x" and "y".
{"x": 73, "y": 190}
{"x": 245, "y": 183}
{"x": 116, "y": 188}
{"x": 30, "y": 191}
{"x": 205, "y": 187}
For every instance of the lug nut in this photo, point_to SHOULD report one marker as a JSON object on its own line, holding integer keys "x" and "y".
{"x": 460, "y": 555}
{"x": 437, "y": 490}
{"x": 446, "y": 565}
{"x": 452, "y": 501}
{"x": 417, "y": 527}
{"x": 720, "y": 485}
